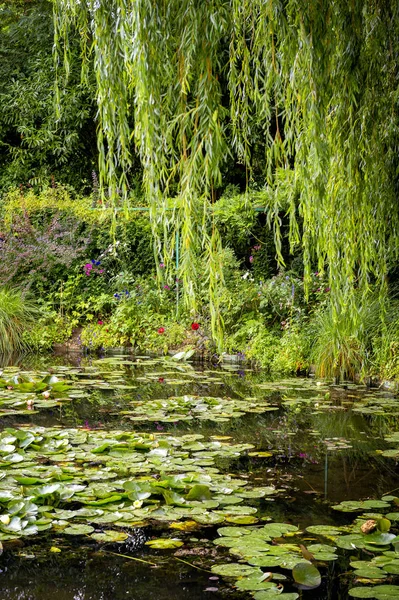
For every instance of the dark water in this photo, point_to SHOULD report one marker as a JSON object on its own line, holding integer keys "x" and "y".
{"x": 321, "y": 453}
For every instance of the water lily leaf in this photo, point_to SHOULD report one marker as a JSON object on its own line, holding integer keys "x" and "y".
{"x": 78, "y": 529}
{"x": 379, "y": 592}
{"x": 391, "y": 568}
{"x": 208, "y": 518}
{"x": 184, "y": 525}
{"x": 199, "y": 492}
{"x": 236, "y": 570}
{"x": 270, "y": 594}
{"x": 306, "y": 575}
{"x": 393, "y": 516}
{"x": 252, "y": 584}
{"x": 325, "y": 530}
{"x": 102, "y": 501}
{"x": 164, "y": 543}
{"x": 350, "y": 542}
{"x": 242, "y": 519}
{"x": 27, "y": 480}
{"x": 278, "y": 529}
{"x": 381, "y": 539}
{"x": 110, "y": 536}
{"x": 370, "y": 573}
{"x": 383, "y": 525}
{"x": 234, "y": 531}
{"x": 361, "y": 592}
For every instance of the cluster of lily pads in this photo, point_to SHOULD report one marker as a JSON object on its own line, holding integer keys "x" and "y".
{"x": 73, "y": 480}
{"x": 186, "y": 408}
{"x": 282, "y": 546}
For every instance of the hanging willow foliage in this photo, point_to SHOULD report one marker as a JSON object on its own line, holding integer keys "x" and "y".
{"x": 188, "y": 82}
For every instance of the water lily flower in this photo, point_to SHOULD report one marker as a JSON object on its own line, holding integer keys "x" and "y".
{"x": 161, "y": 330}
{"x": 195, "y": 326}
{"x": 137, "y": 504}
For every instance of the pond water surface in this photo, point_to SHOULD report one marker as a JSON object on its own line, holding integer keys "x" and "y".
{"x": 149, "y": 449}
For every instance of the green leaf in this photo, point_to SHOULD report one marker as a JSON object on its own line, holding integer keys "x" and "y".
{"x": 164, "y": 543}
{"x": 306, "y": 575}
{"x": 110, "y": 536}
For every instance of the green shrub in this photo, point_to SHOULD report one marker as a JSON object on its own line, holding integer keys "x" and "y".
{"x": 292, "y": 353}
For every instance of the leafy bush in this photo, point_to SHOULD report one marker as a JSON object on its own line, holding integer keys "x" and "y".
{"x": 292, "y": 353}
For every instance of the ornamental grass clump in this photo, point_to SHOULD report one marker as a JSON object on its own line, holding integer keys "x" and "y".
{"x": 17, "y": 314}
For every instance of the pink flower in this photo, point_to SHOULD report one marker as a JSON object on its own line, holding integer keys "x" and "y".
{"x": 161, "y": 265}
{"x": 161, "y": 330}
{"x": 100, "y": 323}
{"x": 166, "y": 287}
{"x": 251, "y": 259}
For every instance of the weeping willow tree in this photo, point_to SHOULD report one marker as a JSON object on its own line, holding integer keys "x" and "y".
{"x": 187, "y": 83}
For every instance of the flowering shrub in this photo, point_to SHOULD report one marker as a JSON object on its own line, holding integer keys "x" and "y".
{"x": 36, "y": 251}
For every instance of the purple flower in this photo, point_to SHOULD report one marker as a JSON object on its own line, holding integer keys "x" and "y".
{"x": 251, "y": 259}
{"x": 166, "y": 287}
{"x": 161, "y": 265}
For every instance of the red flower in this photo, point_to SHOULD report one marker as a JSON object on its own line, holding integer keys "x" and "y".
{"x": 161, "y": 330}
{"x": 195, "y": 326}
{"x": 100, "y": 323}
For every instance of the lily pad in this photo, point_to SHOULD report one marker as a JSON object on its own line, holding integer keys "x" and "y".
{"x": 164, "y": 543}
{"x": 110, "y": 536}
{"x": 306, "y": 575}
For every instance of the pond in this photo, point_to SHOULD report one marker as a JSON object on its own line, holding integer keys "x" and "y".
{"x": 146, "y": 478}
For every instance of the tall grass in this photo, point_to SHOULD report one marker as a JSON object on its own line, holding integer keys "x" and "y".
{"x": 343, "y": 340}
{"x": 386, "y": 344}
{"x": 17, "y": 314}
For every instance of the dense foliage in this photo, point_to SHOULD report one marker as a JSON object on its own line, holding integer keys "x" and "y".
{"x": 314, "y": 83}
{"x": 235, "y": 134}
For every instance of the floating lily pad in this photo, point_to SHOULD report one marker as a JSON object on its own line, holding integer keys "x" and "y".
{"x": 164, "y": 543}
{"x": 110, "y": 536}
{"x": 235, "y": 570}
{"x": 306, "y": 575}
{"x": 78, "y": 529}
